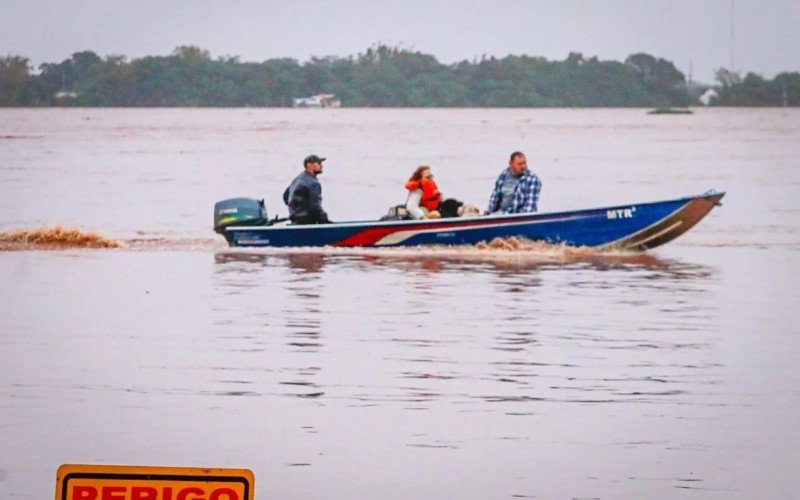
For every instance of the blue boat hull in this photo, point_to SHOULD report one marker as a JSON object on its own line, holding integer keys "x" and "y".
{"x": 637, "y": 227}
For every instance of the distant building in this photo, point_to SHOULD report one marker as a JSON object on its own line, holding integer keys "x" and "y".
{"x": 707, "y": 96}
{"x": 64, "y": 98}
{"x": 318, "y": 101}
{"x": 64, "y": 95}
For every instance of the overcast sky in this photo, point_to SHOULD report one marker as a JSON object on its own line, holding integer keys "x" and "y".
{"x": 686, "y": 32}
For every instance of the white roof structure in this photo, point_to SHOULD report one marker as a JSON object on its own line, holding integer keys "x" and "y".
{"x": 317, "y": 101}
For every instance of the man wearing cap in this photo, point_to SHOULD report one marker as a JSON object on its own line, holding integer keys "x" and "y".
{"x": 304, "y": 194}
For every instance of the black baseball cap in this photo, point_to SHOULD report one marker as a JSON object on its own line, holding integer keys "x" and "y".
{"x": 312, "y": 159}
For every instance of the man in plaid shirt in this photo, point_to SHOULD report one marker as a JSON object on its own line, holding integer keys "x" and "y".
{"x": 516, "y": 190}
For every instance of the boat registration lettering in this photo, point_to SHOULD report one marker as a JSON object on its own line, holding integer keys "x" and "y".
{"x": 446, "y": 235}
{"x": 620, "y": 213}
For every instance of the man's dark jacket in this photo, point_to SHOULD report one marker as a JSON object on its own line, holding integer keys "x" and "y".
{"x": 304, "y": 197}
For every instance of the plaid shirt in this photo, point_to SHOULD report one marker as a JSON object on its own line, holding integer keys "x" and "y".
{"x": 526, "y": 193}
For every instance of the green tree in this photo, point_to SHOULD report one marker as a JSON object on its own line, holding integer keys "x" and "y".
{"x": 15, "y": 82}
{"x": 661, "y": 77}
{"x": 754, "y": 90}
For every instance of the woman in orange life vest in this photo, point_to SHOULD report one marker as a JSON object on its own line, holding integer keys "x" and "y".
{"x": 423, "y": 194}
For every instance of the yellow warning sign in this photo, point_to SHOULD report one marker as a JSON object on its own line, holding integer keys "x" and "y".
{"x": 122, "y": 482}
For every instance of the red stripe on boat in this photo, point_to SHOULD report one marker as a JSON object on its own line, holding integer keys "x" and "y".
{"x": 373, "y": 235}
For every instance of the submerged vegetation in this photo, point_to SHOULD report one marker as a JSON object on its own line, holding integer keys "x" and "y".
{"x": 670, "y": 111}
{"x": 380, "y": 77}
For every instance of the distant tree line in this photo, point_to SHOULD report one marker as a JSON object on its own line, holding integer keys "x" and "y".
{"x": 382, "y": 76}
{"x": 753, "y": 90}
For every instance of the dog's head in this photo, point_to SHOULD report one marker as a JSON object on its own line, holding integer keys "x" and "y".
{"x": 467, "y": 210}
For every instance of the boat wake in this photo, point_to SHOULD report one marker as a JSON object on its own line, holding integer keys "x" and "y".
{"x": 58, "y": 238}
{"x": 53, "y": 238}
{"x": 503, "y": 251}
{"x": 174, "y": 244}
{"x": 511, "y": 249}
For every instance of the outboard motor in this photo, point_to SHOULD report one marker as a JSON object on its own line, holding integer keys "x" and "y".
{"x": 239, "y": 212}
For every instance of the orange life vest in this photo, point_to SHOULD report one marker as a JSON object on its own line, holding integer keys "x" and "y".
{"x": 430, "y": 192}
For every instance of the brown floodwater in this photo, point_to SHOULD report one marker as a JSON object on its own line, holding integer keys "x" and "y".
{"x": 130, "y": 334}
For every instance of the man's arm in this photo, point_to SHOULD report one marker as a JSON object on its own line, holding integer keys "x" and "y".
{"x": 494, "y": 199}
{"x": 315, "y": 204}
{"x": 530, "y": 197}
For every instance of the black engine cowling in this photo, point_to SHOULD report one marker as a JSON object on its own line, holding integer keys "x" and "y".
{"x": 239, "y": 212}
